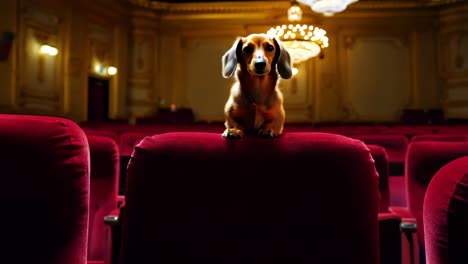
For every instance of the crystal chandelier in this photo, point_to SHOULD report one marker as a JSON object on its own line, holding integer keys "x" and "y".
{"x": 302, "y": 41}
{"x": 328, "y": 7}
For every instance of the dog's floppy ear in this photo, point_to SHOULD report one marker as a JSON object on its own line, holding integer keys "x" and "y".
{"x": 283, "y": 61}
{"x": 229, "y": 59}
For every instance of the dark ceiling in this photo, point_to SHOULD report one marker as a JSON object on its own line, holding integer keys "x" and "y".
{"x": 195, "y": 1}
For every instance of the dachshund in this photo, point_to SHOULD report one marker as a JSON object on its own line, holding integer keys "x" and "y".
{"x": 255, "y": 103}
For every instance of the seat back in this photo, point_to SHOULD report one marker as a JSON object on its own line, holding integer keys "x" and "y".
{"x": 45, "y": 194}
{"x": 395, "y": 146}
{"x": 379, "y": 154}
{"x": 423, "y": 160}
{"x": 445, "y": 214}
{"x": 105, "y": 166}
{"x": 440, "y": 137}
{"x": 300, "y": 198}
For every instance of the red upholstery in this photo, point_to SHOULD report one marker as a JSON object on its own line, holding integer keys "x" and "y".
{"x": 379, "y": 154}
{"x": 45, "y": 190}
{"x": 96, "y": 132}
{"x": 445, "y": 214}
{"x": 300, "y": 198}
{"x": 423, "y": 160}
{"x": 458, "y": 129}
{"x": 104, "y": 183}
{"x": 128, "y": 141}
{"x": 395, "y": 144}
{"x": 440, "y": 137}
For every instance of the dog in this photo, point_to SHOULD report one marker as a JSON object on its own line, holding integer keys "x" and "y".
{"x": 255, "y": 103}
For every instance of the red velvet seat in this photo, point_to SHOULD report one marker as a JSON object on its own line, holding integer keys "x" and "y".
{"x": 458, "y": 129}
{"x": 440, "y": 137}
{"x": 445, "y": 214}
{"x": 395, "y": 146}
{"x": 300, "y": 198}
{"x": 389, "y": 230}
{"x": 379, "y": 154}
{"x": 101, "y": 132}
{"x": 45, "y": 167}
{"x": 105, "y": 167}
{"x": 127, "y": 142}
{"x": 423, "y": 160}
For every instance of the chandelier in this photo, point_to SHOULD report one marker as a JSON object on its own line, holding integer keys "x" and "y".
{"x": 302, "y": 41}
{"x": 328, "y": 7}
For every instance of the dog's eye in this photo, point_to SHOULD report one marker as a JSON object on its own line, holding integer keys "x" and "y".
{"x": 269, "y": 47}
{"x": 248, "y": 49}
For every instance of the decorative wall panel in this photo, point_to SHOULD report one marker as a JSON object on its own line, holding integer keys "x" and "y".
{"x": 143, "y": 71}
{"x": 456, "y": 98}
{"x": 455, "y": 51}
{"x": 206, "y": 89}
{"x": 40, "y": 76}
{"x": 298, "y": 93}
{"x": 454, "y": 62}
{"x": 377, "y": 74}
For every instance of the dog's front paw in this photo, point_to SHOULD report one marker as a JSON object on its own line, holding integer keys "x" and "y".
{"x": 267, "y": 133}
{"x": 233, "y": 133}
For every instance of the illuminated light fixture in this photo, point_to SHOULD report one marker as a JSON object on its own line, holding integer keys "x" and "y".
{"x": 98, "y": 68}
{"x": 111, "y": 70}
{"x": 302, "y": 41}
{"x": 295, "y": 71}
{"x": 49, "y": 50}
{"x": 328, "y": 7}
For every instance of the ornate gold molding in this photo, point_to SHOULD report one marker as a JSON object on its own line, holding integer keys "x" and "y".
{"x": 40, "y": 16}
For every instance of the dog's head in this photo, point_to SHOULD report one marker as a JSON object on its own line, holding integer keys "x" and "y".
{"x": 258, "y": 54}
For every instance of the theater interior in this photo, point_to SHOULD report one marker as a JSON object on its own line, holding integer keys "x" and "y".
{"x": 111, "y": 122}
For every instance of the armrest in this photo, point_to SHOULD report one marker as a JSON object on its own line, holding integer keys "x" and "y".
{"x": 409, "y": 237}
{"x": 408, "y": 227}
{"x": 408, "y": 221}
{"x": 113, "y": 222}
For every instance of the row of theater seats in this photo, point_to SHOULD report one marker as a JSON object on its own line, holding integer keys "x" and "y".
{"x": 424, "y": 159}
{"x": 385, "y": 149}
{"x": 395, "y": 139}
{"x": 194, "y": 197}
{"x": 316, "y": 154}
{"x": 58, "y": 185}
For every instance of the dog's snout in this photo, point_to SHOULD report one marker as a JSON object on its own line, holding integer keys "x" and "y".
{"x": 260, "y": 63}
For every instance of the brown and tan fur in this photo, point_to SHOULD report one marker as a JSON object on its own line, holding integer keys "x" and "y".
{"x": 255, "y": 104}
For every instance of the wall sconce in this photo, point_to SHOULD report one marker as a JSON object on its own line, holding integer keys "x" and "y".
{"x": 111, "y": 70}
{"x": 44, "y": 50}
{"x": 49, "y": 50}
{"x": 295, "y": 71}
{"x": 105, "y": 70}
{"x": 99, "y": 69}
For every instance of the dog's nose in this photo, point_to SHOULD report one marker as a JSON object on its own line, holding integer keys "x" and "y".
{"x": 260, "y": 63}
